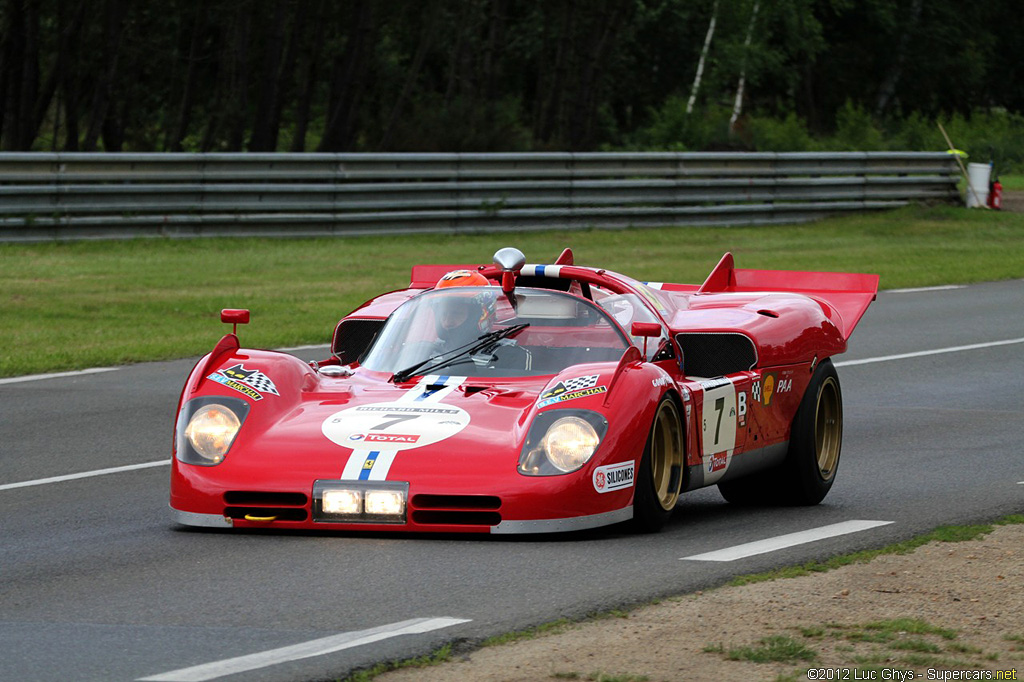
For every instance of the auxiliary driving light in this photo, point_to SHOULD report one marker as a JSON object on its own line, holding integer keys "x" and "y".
{"x": 347, "y": 502}
{"x": 385, "y": 503}
{"x": 360, "y": 501}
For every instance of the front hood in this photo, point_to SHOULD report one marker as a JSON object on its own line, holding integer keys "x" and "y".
{"x": 451, "y": 429}
{"x": 363, "y": 427}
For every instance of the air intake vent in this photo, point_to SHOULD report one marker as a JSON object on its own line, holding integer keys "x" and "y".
{"x": 715, "y": 355}
{"x": 353, "y": 337}
{"x": 456, "y": 502}
{"x": 456, "y": 518}
{"x": 456, "y": 510}
{"x": 257, "y": 498}
{"x": 266, "y": 505}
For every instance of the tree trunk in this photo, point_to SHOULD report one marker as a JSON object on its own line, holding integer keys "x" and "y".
{"x": 695, "y": 88}
{"x": 113, "y": 32}
{"x": 737, "y": 106}
{"x": 184, "y": 117}
{"x": 892, "y": 76}
{"x": 308, "y": 72}
{"x": 347, "y": 84}
{"x": 411, "y": 76}
{"x": 264, "y": 127}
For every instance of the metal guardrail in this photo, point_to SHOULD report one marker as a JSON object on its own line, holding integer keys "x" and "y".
{"x": 72, "y": 196}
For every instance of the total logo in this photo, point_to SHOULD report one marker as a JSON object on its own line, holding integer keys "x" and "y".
{"x": 718, "y": 462}
{"x": 384, "y": 438}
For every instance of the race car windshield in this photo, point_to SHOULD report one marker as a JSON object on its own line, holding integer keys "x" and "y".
{"x": 435, "y": 328}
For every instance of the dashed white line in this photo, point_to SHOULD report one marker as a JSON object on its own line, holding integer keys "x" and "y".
{"x": 922, "y": 353}
{"x": 84, "y": 474}
{"x": 57, "y": 375}
{"x": 316, "y": 647}
{"x": 783, "y": 541}
{"x": 915, "y": 290}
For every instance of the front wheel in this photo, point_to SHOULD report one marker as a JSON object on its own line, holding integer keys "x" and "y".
{"x": 661, "y": 467}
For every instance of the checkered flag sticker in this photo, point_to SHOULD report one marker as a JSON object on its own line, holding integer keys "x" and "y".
{"x": 261, "y": 382}
{"x": 579, "y": 383}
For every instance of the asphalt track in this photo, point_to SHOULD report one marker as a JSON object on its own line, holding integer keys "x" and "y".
{"x": 96, "y": 583}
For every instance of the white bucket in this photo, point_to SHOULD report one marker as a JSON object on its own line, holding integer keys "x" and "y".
{"x": 978, "y": 175}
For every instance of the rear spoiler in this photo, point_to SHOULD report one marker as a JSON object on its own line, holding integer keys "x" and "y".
{"x": 848, "y": 295}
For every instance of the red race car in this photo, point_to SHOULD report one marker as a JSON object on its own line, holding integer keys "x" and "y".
{"x": 516, "y": 398}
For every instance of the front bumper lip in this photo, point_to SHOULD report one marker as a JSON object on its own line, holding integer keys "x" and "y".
{"x": 505, "y": 527}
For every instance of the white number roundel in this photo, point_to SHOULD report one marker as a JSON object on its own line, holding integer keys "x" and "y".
{"x": 394, "y": 426}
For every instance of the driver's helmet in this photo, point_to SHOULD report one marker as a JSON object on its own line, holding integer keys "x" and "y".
{"x": 464, "y": 315}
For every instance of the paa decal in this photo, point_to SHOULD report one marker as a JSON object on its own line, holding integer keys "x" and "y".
{"x": 249, "y": 382}
{"x": 762, "y": 391}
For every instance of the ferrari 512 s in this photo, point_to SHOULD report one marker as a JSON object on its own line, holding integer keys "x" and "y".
{"x": 517, "y": 398}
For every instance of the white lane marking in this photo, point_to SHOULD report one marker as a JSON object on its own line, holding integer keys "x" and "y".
{"x": 316, "y": 647}
{"x": 84, "y": 474}
{"x": 57, "y": 375}
{"x": 914, "y": 290}
{"x": 98, "y": 370}
{"x": 784, "y": 541}
{"x": 922, "y": 353}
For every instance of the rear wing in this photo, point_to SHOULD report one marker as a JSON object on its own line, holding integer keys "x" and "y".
{"x": 848, "y": 295}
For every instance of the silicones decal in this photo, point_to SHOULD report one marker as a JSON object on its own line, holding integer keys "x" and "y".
{"x": 612, "y": 477}
{"x": 379, "y": 431}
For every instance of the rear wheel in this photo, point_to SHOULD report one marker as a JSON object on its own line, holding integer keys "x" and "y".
{"x": 815, "y": 442}
{"x": 661, "y": 470}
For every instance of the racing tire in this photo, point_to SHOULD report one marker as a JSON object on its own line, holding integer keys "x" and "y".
{"x": 815, "y": 443}
{"x": 660, "y": 474}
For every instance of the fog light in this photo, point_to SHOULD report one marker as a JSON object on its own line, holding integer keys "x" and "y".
{"x": 348, "y": 502}
{"x": 360, "y": 501}
{"x": 385, "y": 503}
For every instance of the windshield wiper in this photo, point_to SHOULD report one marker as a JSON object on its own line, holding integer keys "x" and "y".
{"x": 481, "y": 343}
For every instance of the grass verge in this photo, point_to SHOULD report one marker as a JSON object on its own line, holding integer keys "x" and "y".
{"x": 903, "y": 641}
{"x": 74, "y": 305}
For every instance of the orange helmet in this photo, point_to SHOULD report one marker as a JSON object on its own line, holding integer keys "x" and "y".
{"x": 462, "y": 278}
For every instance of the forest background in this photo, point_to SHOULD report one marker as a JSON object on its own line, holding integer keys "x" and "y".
{"x": 513, "y": 75}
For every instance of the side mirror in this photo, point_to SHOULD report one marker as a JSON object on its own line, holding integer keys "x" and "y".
{"x": 510, "y": 261}
{"x": 234, "y": 316}
{"x": 648, "y": 330}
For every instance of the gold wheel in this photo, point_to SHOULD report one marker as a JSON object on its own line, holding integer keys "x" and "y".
{"x": 828, "y": 428}
{"x": 666, "y": 455}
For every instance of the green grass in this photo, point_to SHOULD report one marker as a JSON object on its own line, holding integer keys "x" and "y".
{"x": 940, "y": 534}
{"x": 87, "y": 304}
{"x": 774, "y": 649}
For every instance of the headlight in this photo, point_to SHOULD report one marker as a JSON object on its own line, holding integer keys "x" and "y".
{"x": 207, "y": 427}
{"x": 212, "y": 430}
{"x": 569, "y": 443}
{"x": 561, "y": 441}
